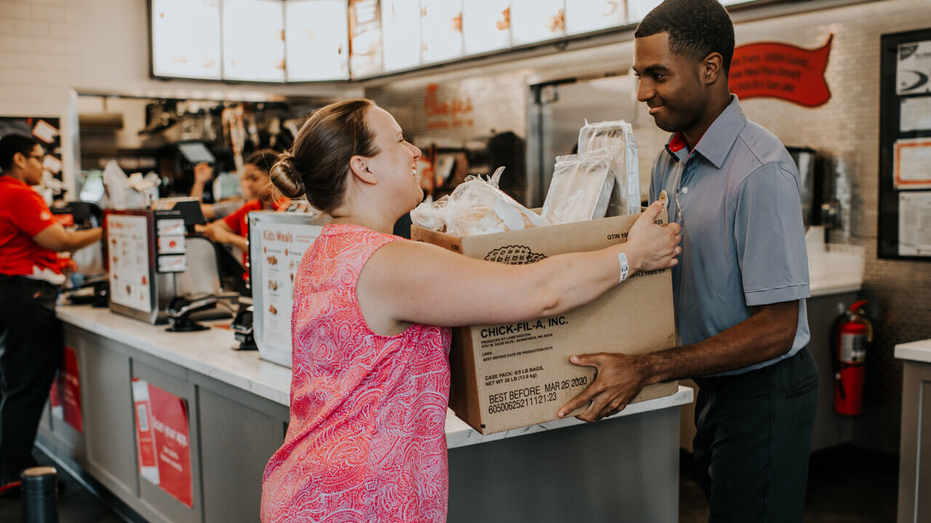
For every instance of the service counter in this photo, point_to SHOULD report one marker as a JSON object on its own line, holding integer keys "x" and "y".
{"x": 624, "y": 468}
{"x": 915, "y": 447}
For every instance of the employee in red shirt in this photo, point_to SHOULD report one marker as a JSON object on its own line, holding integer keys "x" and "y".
{"x": 30, "y": 279}
{"x": 259, "y": 193}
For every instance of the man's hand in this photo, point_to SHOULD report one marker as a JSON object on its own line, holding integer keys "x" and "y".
{"x": 619, "y": 380}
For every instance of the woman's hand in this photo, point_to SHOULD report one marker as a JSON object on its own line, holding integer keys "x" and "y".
{"x": 655, "y": 246}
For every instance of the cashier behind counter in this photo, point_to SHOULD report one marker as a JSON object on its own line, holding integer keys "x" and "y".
{"x": 30, "y": 279}
{"x": 260, "y": 195}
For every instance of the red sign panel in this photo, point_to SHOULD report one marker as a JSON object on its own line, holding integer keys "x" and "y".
{"x": 783, "y": 71}
{"x": 163, "y": 435}
{"x": 65, "y": 396}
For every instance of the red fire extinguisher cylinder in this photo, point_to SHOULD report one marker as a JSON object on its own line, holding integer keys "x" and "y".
{"x": 854, "y": 333}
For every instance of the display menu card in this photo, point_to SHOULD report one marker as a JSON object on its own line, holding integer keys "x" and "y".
{"x": 253, "y": 40}
{"x": 537, "y": 20}
{"x": 400, "y": 20}
{"x": 317, "y": 40}
{"x": 128, "y": 255}
{"x": 637, "y": 9}
{"x": 186, "y": 38}
{"x": 442, "y": 30}
{"x": 585, "y": 16}
{"x": 365, "y": 57}
{"x": 486, "y": 25}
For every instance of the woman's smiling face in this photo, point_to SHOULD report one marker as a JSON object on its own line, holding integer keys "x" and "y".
{"x": 395, "y": 162}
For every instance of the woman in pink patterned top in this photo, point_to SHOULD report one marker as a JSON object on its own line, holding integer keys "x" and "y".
{"x": 370, "y": 382}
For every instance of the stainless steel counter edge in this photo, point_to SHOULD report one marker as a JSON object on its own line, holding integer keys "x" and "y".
{"x": 209, "y": 353}
{"x": 914, "y": 351}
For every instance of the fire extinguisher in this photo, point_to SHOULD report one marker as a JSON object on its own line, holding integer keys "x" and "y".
{"x": 851, "y": 334}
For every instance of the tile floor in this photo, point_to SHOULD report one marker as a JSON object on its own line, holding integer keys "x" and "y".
{"x": 846, "y": 485}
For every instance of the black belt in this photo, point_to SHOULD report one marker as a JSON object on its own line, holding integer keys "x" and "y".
{"x": 22, "y": 287}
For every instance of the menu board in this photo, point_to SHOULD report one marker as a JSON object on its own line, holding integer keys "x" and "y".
{"x": 486, "y": 25}
{"x": 277, "y": 242}
{"x": 253, "y": 40}
{"x": 128, "y": 255}
{"x": 585, "y": 16}
{"x": 317, "y": 40}
{"x": 400, "y": 22}
{"x": 283, "y": 245}
{"x": 365, "y": 57}
{"x": 186, "y": 38}
{"x": 537, "y": 20}
{"x": 441, "y": 27}
{"x": 637, "y": 9}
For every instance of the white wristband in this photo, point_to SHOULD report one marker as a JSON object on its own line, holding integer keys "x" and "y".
{"x": 625, "y": 268}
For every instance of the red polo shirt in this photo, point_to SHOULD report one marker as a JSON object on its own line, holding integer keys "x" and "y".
{"x": 23, "y": 214}
{"x": 239, "y": 222}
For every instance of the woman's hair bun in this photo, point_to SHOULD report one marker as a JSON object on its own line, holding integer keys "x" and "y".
{"x": 286, "y": 177}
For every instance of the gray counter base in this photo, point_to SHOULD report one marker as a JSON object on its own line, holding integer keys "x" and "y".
{"x": 623, "y": 469}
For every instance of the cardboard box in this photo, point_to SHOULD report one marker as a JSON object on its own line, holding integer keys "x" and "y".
{"x": 513, "y": 375}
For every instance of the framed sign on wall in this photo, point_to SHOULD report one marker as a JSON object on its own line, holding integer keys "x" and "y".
{"x": 905, "y": 146}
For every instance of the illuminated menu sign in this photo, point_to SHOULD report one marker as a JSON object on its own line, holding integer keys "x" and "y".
{"x": 585, "y": 16}
{"x": 537, "y": 20}
{"x": 442, "y": 29}
{"x": 364, "y": 38}
{"x": 253, "y": 40}
{"x": 400, "y": 21}
{"x": 486, "y": 25}
{"x": 186, "y": 38}
{"x": 317, "y": 40}
{"x": 637, "y": 9}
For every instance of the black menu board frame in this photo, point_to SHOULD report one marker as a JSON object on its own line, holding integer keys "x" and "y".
{"x": 890, "y": 131}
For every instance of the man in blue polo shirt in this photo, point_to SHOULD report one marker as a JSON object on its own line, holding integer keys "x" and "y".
{"x": 742, "y": 280}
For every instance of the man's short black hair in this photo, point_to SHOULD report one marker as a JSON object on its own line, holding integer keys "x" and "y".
{"x": 696, "y": 28}
{"x": 12, "y": 144}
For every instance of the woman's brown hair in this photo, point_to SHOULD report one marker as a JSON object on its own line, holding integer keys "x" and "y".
{"x": 264, "y": 160}
{"x": 317, "y": 165}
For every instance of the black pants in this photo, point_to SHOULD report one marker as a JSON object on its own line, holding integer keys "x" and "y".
{"x": 30, "y": 354}
{"x": 754, "y": 440}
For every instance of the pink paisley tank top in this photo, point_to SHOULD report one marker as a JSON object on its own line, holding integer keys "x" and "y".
{"x": 366, "y": 439}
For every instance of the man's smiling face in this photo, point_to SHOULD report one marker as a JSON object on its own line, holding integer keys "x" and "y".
{"x": 669, "y": 83}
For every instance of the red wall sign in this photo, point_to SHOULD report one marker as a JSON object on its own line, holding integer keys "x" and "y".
{"x": 163, "y": 435}
{"x": 776, "y": 70}
{"x": 65, "y": 396}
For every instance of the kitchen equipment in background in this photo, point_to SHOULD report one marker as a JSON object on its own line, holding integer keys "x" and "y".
{"x": 556, "y": 111}
{"x": 805, "y": 162}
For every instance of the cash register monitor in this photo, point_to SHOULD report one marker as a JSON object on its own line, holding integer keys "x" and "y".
{"x": 190, "y": 210}
{"x": 196, "y": 152}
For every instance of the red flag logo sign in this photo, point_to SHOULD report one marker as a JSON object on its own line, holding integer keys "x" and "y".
{"x": 776, "y": 70}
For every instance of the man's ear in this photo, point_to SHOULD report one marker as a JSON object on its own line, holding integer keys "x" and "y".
{"x": 712, "y": 69}
{"x": 20, "y": 160}
{"x": 358, "y": 167}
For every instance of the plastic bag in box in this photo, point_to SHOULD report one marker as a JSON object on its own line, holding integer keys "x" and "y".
{"x": 477, "y": 206}
{"x": 581, "y": 187}
{"x": 620, "y": 135}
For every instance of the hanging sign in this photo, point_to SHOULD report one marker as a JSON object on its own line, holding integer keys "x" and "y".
{"x": 65, "y": 396}
{"x": 163, "y": 436}
{"x": 783, "y": 71}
